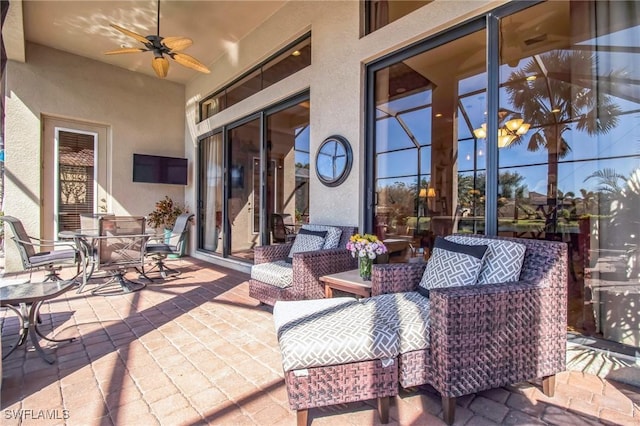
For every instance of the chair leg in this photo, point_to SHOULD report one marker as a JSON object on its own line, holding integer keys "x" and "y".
{"x": 117, "y": 285}
{"x": 161, "y": 268}
{"x": 52, "y": 275}
{"x": 383, "y": 409}
{"x": 448, "y": 409}
{"x": 303, "y": 417}
{"x": 165, "y": 270}
{"x": 549, "y": 385}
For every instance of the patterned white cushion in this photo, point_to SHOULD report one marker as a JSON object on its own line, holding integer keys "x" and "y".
{"x": 332, "y": 239}
{"x": 278, "y": 273}
{"x": 408, "y": 314}
{"x": 287, "y": 311}
{"x": 503, "y": 261}
{"x": 338, "y": 335}
{"x": 452, "y": 265}
{"x": 307, "y": 240}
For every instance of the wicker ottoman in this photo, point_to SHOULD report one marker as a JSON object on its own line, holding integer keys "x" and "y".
{"x": 408, "y": 314}
{"x": 336, "y": 351}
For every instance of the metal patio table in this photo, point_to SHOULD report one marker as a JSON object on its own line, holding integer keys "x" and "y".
{"x": 29, "y": 297}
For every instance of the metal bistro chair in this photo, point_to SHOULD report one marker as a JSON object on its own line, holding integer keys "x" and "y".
{"x": 89, "y": 228}
{"x": 158, "y": 251}
{"x": 120, "y": 246}
{"x": 52, "y": 257}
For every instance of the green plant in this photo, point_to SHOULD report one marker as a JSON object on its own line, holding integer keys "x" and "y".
{"x": 165, "y": 213}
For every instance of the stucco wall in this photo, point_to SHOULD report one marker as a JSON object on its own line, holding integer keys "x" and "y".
{"x": 143, "y": 115}
{"x": 335, "y": 80}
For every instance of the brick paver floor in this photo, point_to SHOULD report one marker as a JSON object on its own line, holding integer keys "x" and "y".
{"x": 198, "y": 350}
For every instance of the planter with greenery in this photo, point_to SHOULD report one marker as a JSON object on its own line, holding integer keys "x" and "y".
{"x": 164, "y": 215}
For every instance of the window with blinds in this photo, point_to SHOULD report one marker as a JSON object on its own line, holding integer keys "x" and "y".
{"x": 75, "y": 178}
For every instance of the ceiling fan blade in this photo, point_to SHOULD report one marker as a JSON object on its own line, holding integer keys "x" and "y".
{"x": 125, "y": 31}
{"x": 124, "y": 50}
{"x": 190, "y": 62}
{"x": 177, "y": 43}
{"x": 160, "y": 65}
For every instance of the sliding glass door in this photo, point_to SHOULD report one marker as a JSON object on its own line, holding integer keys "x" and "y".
{"x": 537, "y": 142}
{"x": 248, "y": 171}
{"x": 288, "y": 166}
{"x": 243, "y": 188}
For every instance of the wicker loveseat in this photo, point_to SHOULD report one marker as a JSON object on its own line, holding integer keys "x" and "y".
{"x": 299, "y": 279}
{"x": 460, "y": 340}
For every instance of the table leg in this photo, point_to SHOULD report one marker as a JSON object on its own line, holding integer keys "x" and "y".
{"x": 23, "y": 331}
{"x": 85, "y": 255}
{"x": 71, "y": 339}
{"x": 33, "y": 313}
{"x": 328, "y": 291}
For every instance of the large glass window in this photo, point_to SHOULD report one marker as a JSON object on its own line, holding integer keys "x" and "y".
{"x": 429, "y": 167}
{"x": 290, "y": 60}
{"x": 569, "y": 74}
{"x": 562, "y": 149}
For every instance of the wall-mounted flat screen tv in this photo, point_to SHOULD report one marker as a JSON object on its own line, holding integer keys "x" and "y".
{"x": 157, "y": 169}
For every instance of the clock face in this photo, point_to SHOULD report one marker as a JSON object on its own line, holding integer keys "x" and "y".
{"x": 333, "y": 160}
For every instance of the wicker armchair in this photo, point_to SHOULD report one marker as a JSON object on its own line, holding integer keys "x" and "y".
{"x": 487, "y": 336}
{"x": 307, "y": 268}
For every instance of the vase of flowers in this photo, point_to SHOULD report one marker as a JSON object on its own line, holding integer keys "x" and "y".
{"x": 366, "y": 248}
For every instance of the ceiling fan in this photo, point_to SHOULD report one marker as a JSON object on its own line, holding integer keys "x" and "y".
{"x": 161, "y": 46}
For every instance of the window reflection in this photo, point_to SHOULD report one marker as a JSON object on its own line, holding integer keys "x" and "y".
{"x": 569, "y": 74}
{"x": 570, "y": 69}
{"x": 426, "y": 153}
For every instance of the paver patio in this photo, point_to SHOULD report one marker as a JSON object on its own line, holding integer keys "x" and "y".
{"x": 198, "y": 350}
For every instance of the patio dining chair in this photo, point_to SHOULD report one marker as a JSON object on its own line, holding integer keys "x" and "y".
{"x": 171, "y": 244}
{"x": 37, "y": 253}
{"x": 282, "y": 228}
{"x": 120, "y": 246}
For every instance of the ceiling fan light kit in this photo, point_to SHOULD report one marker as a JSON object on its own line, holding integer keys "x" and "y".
{"x": 161, "y": 46}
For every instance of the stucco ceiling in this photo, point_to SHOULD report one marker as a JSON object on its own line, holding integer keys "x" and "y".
{"x": 82, "y": 28}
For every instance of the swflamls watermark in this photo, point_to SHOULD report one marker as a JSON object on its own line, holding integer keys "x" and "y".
{"x": 29, "y": 414}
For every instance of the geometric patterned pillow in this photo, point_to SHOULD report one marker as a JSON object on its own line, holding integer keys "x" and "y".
{"x": 307, "y": 240}
{"x": 503, "y": 262}
{"x": 332, "y": 239}
{"x": 452, "y": 265}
